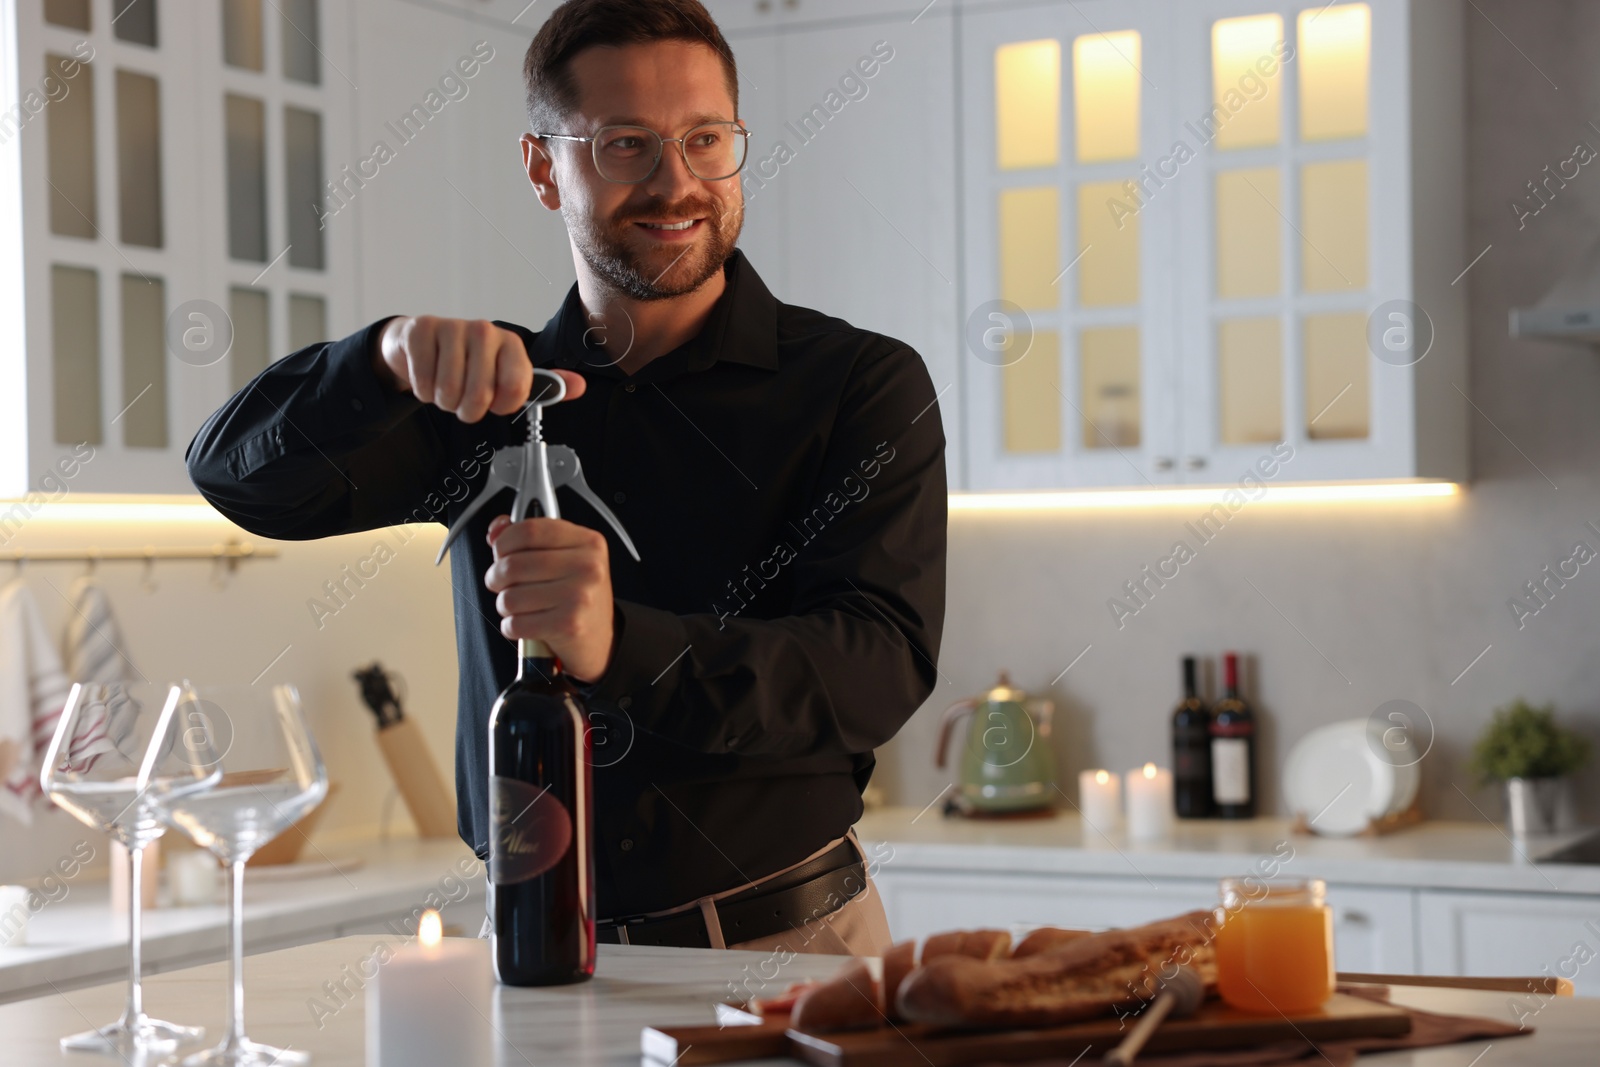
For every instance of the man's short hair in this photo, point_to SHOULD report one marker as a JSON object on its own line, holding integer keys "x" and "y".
{"x": 580, "y": 24}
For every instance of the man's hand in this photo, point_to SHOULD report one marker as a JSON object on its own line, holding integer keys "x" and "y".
{"x": 466, "y": 366}
{"x": 553, "y": 578}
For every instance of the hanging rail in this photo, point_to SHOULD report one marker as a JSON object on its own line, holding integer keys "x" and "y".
{"x": 230, "y": 552}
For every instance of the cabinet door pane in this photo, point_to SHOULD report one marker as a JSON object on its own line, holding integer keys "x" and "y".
{"x": 1030, "y": 253}
{"x": 1335, "y": 54}
{"x": 1105, "y": 95}
{"x": 247, "y": 178}
{"x": 1108, "y": 359}
{"x": 1336, "y": 363}
{"x": 139, "y": 158}
{"x": 70, "y": 132}
{"x": 144, "y": 363}
{"x": 1031, "y": 395}
{"x": 134, "y": 21}
{"x": 252, "y": 345}
{"x": 75, "y": 354}
{"x": 301, "y": 37}
{"x": 1250, "y": 380}
{"x": 1245, "y": 78}
{"x": 308, "y": 320}
{"x": 241, "y": 34}
{"x": 1333, "y": 223}
{"x": 1248, "y": 228}
{"x": 73, "y": 14}
{"x": 1027, "y": 92}
{"x": 1109, "y": 273}
{"x": 302, "y": 161}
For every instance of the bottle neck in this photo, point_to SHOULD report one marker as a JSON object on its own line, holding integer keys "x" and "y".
{"x": 536, "y": 660}
{"x": 1231, "y": 676}
{"x": 1188, "y": 678}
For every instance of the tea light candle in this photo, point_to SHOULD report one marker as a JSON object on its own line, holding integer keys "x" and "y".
{"x": 1100, "y": 801}
{"x": 430, "y": 1003}
{"x": 1149, "y": 803}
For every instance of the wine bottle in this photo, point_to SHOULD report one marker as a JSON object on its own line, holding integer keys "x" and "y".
{"x": 1233, "y": 749}
{"x": 1191, "y": 751}
{"x": 541, "y": 816}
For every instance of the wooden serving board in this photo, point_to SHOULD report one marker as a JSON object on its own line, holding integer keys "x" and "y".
{"x": 1215, "y": 1025}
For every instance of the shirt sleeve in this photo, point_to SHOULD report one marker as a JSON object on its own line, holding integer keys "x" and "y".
{"x": 855, "y": 658}
{"x": 317, "y": 445}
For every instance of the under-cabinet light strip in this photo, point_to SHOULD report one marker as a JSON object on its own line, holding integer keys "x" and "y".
{"x": 1139, "y": 498}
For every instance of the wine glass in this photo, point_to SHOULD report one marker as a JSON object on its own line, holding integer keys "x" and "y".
{"x": 93, "y": 770}
{"x": 254, "y": 771}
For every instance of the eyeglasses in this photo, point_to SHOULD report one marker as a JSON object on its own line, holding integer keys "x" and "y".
{"x": 630, "y": 154}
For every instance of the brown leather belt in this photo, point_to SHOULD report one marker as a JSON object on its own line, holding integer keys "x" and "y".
{"x": 816, "y": 888}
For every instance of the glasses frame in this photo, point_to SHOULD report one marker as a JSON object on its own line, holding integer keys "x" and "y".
{"x": 738, "y": 125}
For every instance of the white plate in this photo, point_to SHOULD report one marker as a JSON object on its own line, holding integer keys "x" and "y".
{"x": 1338, "y": 781}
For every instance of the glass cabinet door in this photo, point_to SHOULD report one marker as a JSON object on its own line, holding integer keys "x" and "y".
{"x": 1067, "y": 340}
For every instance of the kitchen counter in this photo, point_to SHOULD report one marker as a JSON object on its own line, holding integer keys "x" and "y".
{"x": 340, "y": 889}
{"x": 1431, "y": 855}
{"x": 598, "y": 1022}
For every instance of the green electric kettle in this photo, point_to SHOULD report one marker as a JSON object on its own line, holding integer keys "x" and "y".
{"x": 1008, "y": 762}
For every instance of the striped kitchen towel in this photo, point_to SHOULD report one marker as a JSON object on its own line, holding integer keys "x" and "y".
{"x": 93, "y": 654}
{"x": 33, "y": 690}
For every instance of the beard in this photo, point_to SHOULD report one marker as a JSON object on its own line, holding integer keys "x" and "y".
{"x": 660, "y": 273}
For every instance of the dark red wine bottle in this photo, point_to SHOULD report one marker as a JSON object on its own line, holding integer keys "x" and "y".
{"x": 1233, "y": 749}
{"x": 541, "y": 827}
{"x": 1191, "y": 751}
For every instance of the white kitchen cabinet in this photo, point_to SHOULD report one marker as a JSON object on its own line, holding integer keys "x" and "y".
{"x": 1209, "y": 246}
{"x": 923, "y": 902}
{"x": 159, "y": 210}
{"x": 1511, "y": 934}
{"x": 1374, "y": 931}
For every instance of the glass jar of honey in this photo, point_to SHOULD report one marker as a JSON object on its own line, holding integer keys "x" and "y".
{"x": 1274, "y": 945}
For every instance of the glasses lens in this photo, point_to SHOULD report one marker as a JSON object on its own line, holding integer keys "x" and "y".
{"x": 626, "y": 153}
{"x": 715, "y": 150}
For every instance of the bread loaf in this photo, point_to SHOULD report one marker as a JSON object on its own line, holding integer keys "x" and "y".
{"x": 1046, "y": 939}
{"x": 976, "y": 944}
{"x": 1080, "y": 978}
{"x": 850, "y": 1000}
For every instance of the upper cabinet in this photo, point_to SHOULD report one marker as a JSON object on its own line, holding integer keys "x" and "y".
{"x": 161, "y": 193}
{"x": 1204, "y": 235}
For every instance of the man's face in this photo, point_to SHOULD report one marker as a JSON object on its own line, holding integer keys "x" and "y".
{"x": 669, "y": 87}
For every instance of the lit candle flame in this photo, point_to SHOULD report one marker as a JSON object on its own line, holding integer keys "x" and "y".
{"x": 1149, "y": 770}
{"x": 1101, "y": 777}
{"x": 430, "y": 928}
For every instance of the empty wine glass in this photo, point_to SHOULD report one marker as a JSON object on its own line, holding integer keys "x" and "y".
{"x": 254, "y": 771}
{"x": 93, "y": 770}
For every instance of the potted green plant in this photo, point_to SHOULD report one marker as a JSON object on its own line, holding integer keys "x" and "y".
{"x": 1524, "y": 747}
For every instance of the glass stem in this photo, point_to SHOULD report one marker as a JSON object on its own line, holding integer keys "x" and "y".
{"x": 236, "y": 959}
{"x": 135, "y": 1008}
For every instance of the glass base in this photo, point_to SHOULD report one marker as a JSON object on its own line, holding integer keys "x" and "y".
{"x": 122, "y": 1037}
{"x": 247, "y": 1053}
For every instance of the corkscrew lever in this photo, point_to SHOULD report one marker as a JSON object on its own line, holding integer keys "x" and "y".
{"x": 535, "y": 470}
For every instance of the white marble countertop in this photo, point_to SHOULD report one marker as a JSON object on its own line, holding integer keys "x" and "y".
{"x": 78, "y": 940}
{"x": 1435, "y": 854}
{"x": 598, "y": 1022}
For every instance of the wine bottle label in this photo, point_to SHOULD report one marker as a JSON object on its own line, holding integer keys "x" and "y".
{"x": 1230, "y": 770}
{"x": 529, "y": 830}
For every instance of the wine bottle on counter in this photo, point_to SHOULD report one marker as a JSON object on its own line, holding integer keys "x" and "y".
{"x": 541, "y": 843}
{"x": 1233, "y": 749}
{"x": 1191, "y": 750}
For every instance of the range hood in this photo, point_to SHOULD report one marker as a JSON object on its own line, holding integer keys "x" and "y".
{"x": 1568, "y": 312}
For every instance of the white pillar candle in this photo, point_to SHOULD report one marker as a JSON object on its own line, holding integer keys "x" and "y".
{"x": 193, "y": 878}
{"x": 430, "y": 1003}
{"x": 1100, "y": 801}
{"x": 14, "y": 915}
{"x": 1149, "y": 803}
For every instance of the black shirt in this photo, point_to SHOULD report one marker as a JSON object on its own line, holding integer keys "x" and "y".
{"x": 782, "y": 475}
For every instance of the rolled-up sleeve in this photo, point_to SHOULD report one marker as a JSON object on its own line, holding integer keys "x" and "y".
{"x": 855, "y": 657}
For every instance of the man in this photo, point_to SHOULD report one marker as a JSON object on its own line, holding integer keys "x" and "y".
{"x": 781, "y": 472}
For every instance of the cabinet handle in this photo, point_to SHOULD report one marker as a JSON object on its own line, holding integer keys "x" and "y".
{"x": 1163, "y": 463}
{"x": 1354, "y": 918}
{"x": 1195, "y": 463}
{"x": 763, "y": 6}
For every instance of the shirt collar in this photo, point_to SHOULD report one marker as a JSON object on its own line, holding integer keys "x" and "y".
{"x": 742, "y": 328}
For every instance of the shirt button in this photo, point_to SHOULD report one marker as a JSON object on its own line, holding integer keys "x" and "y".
{"x": 626, "y": 844}
{"x": 628, "y": 388}
{"x": 620, "y": 497}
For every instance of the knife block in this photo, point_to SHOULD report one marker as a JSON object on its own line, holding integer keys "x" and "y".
{"x": 432, "y": 808}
